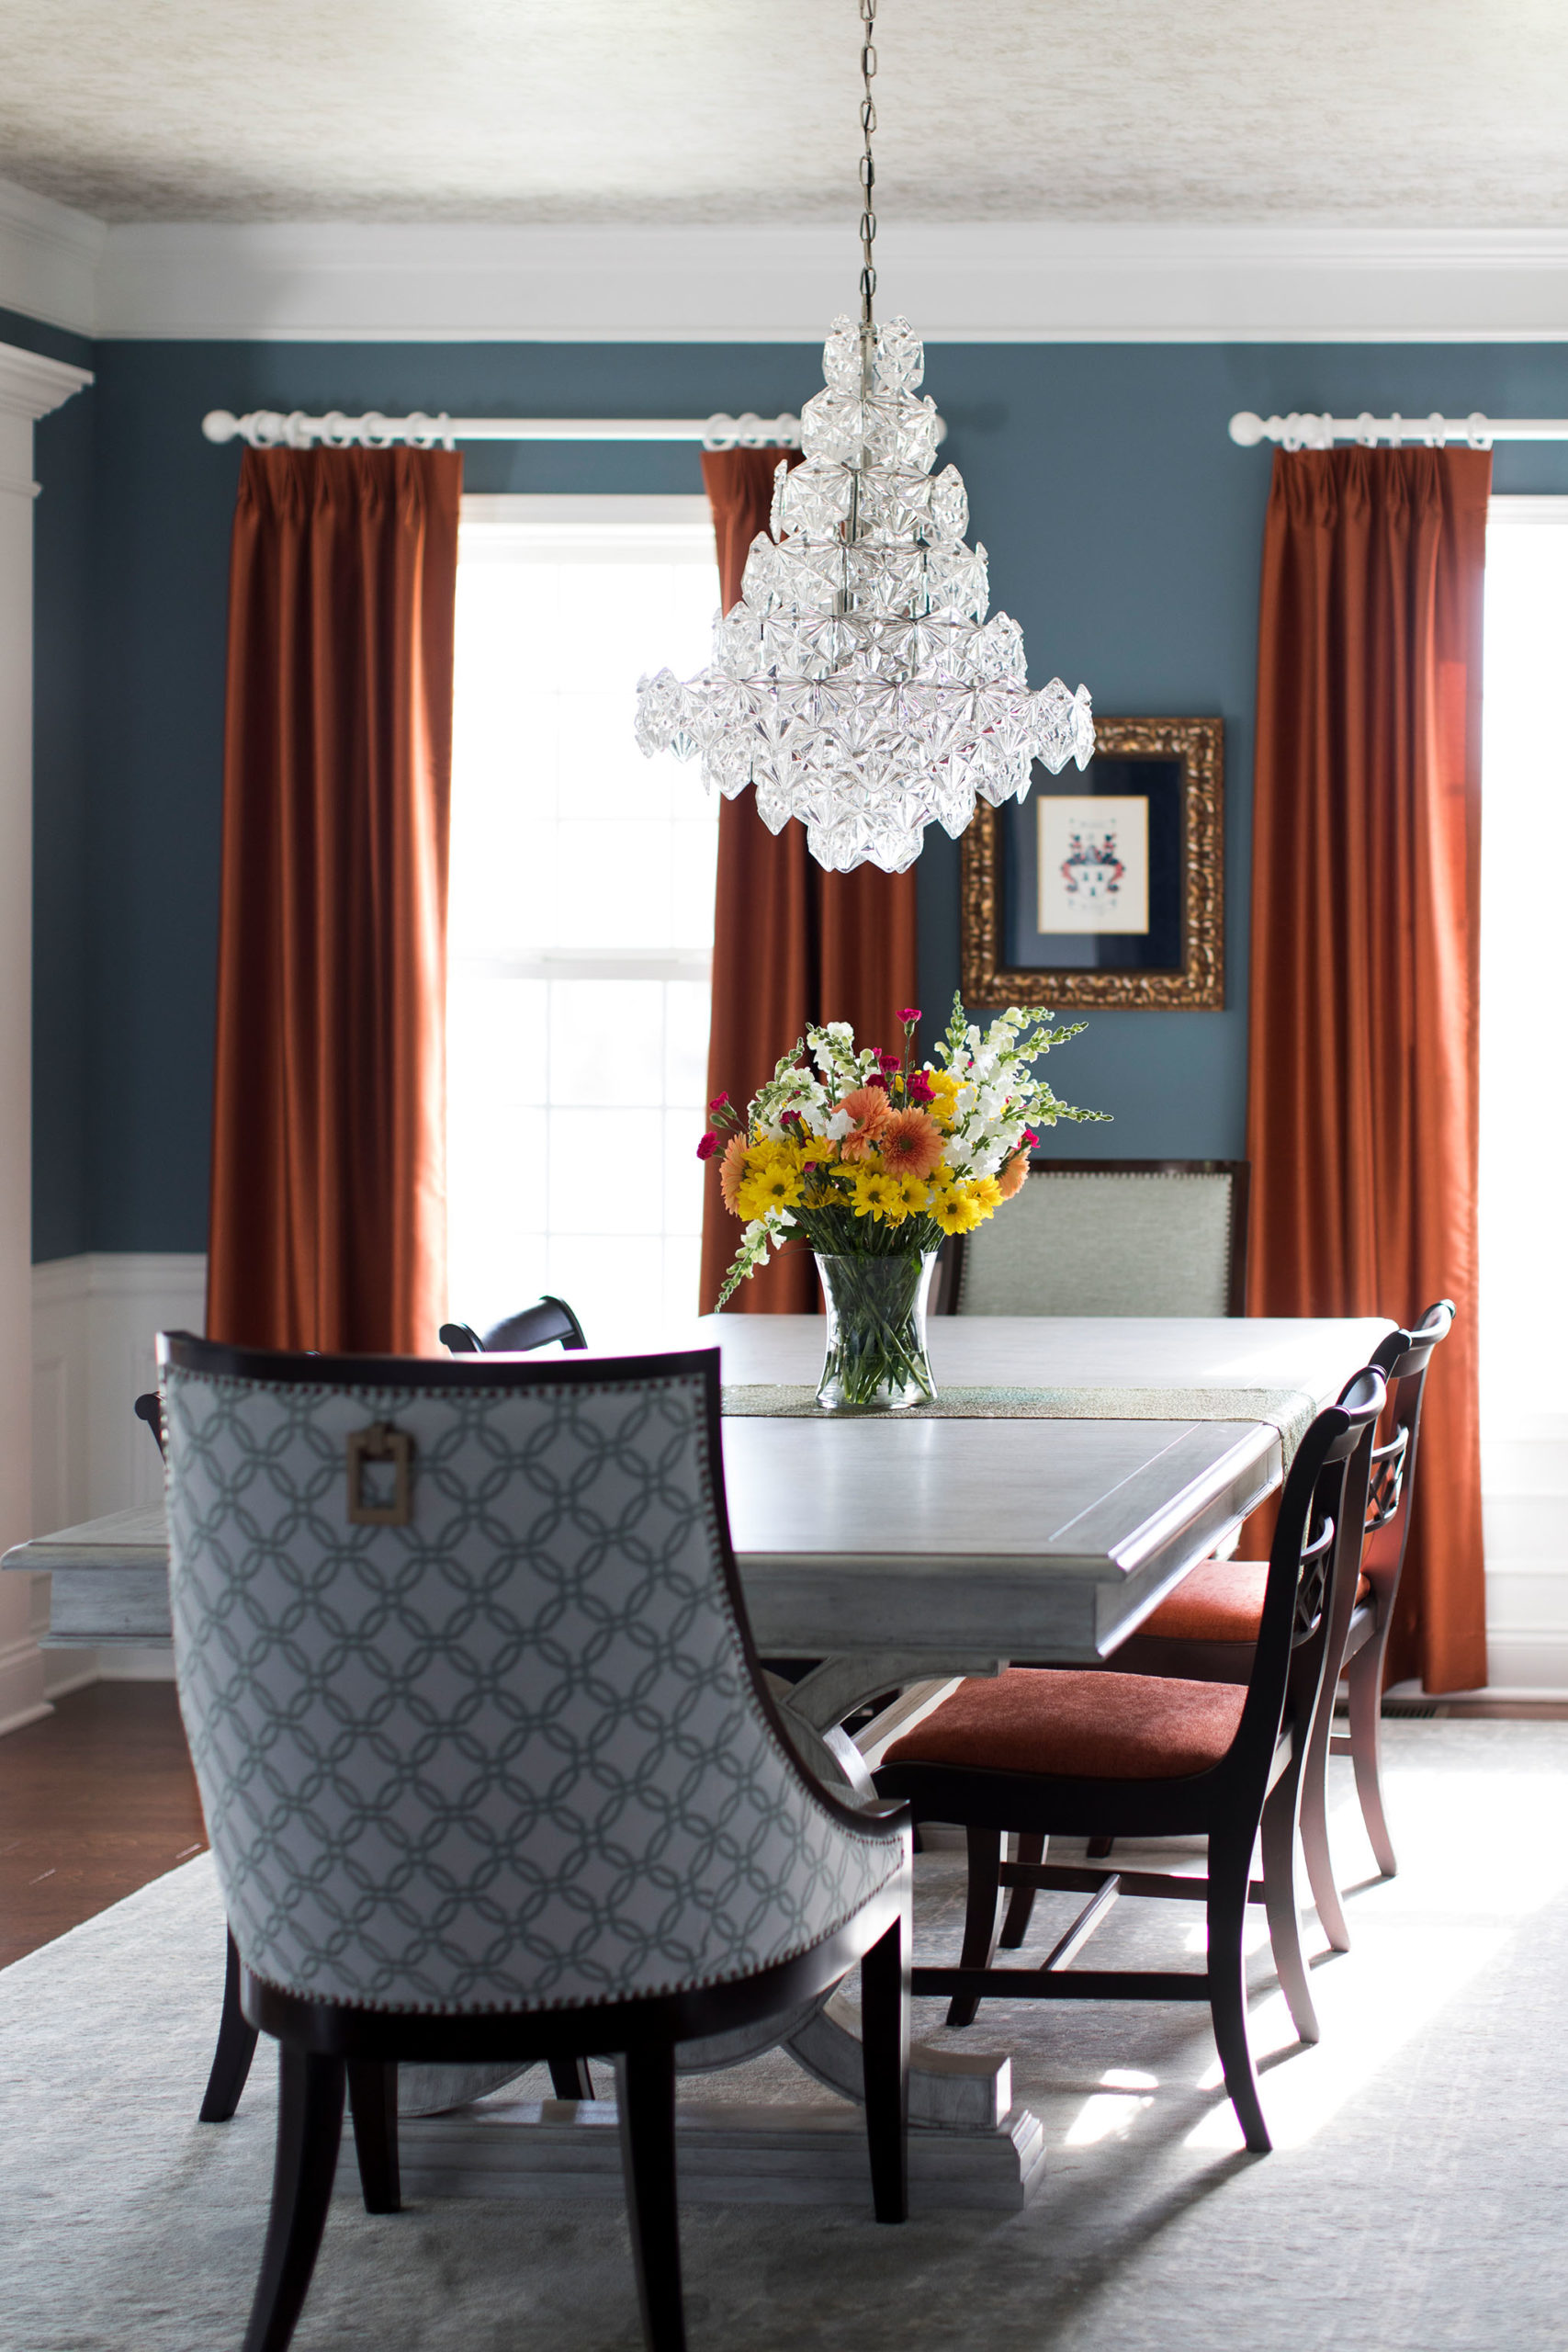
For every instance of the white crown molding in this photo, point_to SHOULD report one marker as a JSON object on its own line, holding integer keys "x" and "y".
{"x": 1014, "y": 282}
{"x": 30, "y": 386}
{"x": 1025, "y": 283}
{"x": 49, "y": 259}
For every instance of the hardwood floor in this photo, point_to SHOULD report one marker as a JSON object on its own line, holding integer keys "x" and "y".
{"x": 95, "y": 1801}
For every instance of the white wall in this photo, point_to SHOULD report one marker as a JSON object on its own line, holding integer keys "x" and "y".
{"x": 29, "y": 388}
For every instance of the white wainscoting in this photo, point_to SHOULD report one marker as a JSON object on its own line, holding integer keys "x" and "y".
{"x": 95, "y": 1320}
{"x": 1524, "y": 1488}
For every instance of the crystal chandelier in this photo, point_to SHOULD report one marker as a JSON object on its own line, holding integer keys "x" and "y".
{"x": 858, "y": 684}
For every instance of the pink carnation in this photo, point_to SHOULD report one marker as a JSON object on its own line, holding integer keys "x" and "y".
{"x": 707, "y": 1144}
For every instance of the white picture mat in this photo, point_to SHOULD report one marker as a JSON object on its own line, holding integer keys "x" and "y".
{"x": 1082, "y": 838}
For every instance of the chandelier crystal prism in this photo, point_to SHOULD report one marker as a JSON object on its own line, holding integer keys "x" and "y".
{"x": 858, "y": 684}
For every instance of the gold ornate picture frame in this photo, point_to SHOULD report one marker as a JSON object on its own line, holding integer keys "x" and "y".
{"x": 1004, "y": 956}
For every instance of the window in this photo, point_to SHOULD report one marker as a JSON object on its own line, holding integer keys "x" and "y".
{"x": 1524, "y": 1105}
{"x": 580, "y": 913}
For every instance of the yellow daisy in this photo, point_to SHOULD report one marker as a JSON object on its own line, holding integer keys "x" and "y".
{"x": 986, "y": 1194}
{"x": 914, "y": 1195}
{"x": 876, "y": 1194}
{"x": 778, "y": 1186}
{"x": 955, "y": 1212}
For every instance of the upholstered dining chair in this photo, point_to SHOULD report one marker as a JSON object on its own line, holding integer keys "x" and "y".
{"x": 1205, "y": 1630}
{"x": 532, "y": 1327}
{"x": 1108, "y": 1237}
{"x": 1049, "y": 1751}
{"x": 487, "y": 1761}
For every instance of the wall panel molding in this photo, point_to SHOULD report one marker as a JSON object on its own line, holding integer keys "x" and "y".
{"x": 95, "y": 1321}
{"x": 1524, "y": 1498}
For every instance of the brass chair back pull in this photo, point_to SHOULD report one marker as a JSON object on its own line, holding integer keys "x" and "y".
{"x": 380, "y": 1442}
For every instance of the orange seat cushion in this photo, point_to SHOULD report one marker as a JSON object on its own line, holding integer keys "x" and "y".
{"x": 1081, "y": 1726}
{"x": 1219, "y": 1601}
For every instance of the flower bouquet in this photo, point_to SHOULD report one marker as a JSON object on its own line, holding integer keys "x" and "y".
{"x": 873, "y": 1162}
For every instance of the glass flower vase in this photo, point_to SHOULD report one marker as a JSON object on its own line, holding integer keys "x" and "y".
{"x": 876, "y": 1359}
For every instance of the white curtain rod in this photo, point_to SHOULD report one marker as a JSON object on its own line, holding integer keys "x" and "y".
{"x": 1304, "y": 431}
{"x": 267, "y": 428}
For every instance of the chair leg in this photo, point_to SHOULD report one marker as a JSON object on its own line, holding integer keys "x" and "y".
{"x": 645, "y": 2093}
{"x": 1020, "y": 1903}
{"x": 236, "y": 2048}
{"x": 1365, "y": 1679}
{"x": 1230, "y": 1871}
{"x": 980, "y": 1918}
{"x": 373, "y": 2103}
{"x": 1314, "y": 1828}
{"x": 885, "y": 2048}
{"x": 1278, "y": 1841}
{"x": 569, "y": 2079}
{"x": 310, "y": 2125}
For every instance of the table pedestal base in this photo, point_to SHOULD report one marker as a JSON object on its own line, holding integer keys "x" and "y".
{"x": 725, "y": 2155}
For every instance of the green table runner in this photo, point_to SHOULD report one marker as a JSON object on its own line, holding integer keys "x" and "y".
{"x": 1289, "y": 1410}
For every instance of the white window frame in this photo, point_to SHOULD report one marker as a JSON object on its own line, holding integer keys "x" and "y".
{"x": 1524, "y": 1437}
{"x": 587, "y": 526}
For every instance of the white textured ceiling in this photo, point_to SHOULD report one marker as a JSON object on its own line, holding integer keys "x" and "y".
{"x": 1410, "y": 111}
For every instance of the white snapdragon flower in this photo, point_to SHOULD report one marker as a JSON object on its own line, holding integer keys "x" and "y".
{"x": 838, "y": 1126}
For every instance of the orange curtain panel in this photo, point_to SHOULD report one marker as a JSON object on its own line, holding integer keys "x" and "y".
{"x": 1362, "y": 1120}
{"x": 329, "y": 1210}
{"x": 792, "y": 944}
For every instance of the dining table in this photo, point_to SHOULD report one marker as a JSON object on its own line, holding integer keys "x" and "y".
{"x": 1068, "y": 1474}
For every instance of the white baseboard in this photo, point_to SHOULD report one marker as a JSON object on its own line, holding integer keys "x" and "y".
{"x": 95, "y": 1321}
{"x": 19, "y": 1701}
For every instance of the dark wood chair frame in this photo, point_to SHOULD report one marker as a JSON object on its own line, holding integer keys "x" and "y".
{"x": 325, "y": 2047}
{"x": 533, "y": 1327}
{"x": 1255, "y": 1785}
{"x": 569, "y": 2077}
{"x": 950, "y": 1268}
{"x": 1358, "y": 1640}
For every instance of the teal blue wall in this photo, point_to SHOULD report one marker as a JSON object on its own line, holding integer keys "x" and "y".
{"x": 1124, "y": 530}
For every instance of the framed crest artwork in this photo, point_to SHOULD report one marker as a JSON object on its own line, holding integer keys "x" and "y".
{"x": 1105, "y": 888}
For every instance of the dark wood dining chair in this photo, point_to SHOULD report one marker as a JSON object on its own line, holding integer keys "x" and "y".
{"x": 1050, "y": 1751}
{"x": 456, "y": 1891}
{"x": 533, "y": 1327}
{"x": 1205, "y": 1630}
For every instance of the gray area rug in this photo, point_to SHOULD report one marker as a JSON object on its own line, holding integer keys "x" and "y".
{"x": 1416, "y": 2197}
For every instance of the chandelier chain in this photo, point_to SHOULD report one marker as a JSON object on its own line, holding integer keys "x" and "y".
{"x": 867, "y": 166}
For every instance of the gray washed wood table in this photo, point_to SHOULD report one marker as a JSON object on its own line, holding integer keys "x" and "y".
{"x": 904, "y": 1552}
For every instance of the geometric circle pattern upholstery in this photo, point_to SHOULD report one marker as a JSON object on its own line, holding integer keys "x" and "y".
{"x": 508, "y": 1756}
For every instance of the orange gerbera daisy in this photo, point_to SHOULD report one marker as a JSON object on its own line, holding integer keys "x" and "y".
{"x": 867, "y": 1106}
{"x": 910, "y": 1142}
{"x": 732, "y": 1170}
{"x": 1013, "y": 1174}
